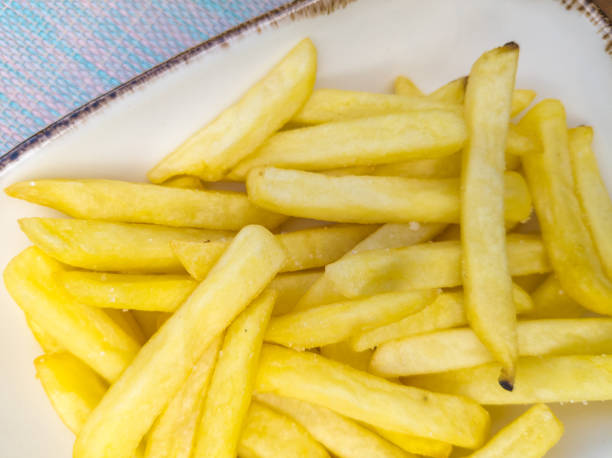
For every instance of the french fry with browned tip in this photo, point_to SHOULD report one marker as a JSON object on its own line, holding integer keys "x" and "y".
{"x": 370, "y": 399}
{"x": 531, "y": 435}
{"x": 592, "y": 193}
{"x": 372, "y": 199}
{"x": 453, "y": 349}
{"x": 446, "y": 311}
{"x": 305, "y": 249}
{"x": 118, "y": 247}
{"x": 332, "y": 323}
{"x": 268, "y": 433}
{"x": 363, "y": 141}
{"x": 340, "y": 435}
{"x": 214, "y": 149}
{"x": 126, "y": 413}
{"x": 550, "y": 301}
{"x": 122, "y": 201}
{"x": 427, "y": 265}
{"x": 87, "y": 332}
{"x": 487, "y": 284}
{"x": 402, "y": 85}
{"x": 569, "y": 245}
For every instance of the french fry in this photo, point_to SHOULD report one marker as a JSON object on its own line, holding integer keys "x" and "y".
{"x": 372, "y": 199}
{"x": 185, "y": 182}
{"x": 121, "y": 201}
{"x": 364, "y": 141}
{"x": 229, "y": 395}
{"x": 290, "y": 287}
{"x": 119, "y": 247}
{"x": 343, "y": 353}
{"x": 441, "y": 167}
{"x": 487, "y": 284}
{"x": 539, "y": 379}
{"x": 148, "y": 322}
{"x": 73, "y": 388}
{"x": 357, "y": 170}
{"x": 446, "y": 311}
{"x": 368, "y": 398}
{"x": 387, "y": 236}
{"x": 87, "y": 332}
{"x": 268, "y": 433}
{"x": 126, "y": 413}
{"x": 417, "y": 445}
{"x": 592, "y": 193}
{"x": 405, "y": 86}
{"x": 453, "y": 349}
{"x": 340, "y": 435}
{"x": 172, "y": 434}
{"x": 427, "y": 265}
{"x": 127, "y": 322}
{"x": 531, "y": 435}
{"x": 550, "y": 301}
{"x": 46, "y": 341}
{"x": 521, "y": 99}
{"x": 453, "y": 91}
{"x": 161, "y": 293}
{"x": 452, "y": 232}
{"x": 305, "y": 249}
{"x": 332, "y": 323}
{"x": 210, "y": 152}
{"x": 567, "y": 239}
{"x": 332, "y": 105}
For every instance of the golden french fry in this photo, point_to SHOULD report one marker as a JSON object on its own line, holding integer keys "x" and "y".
{"x": 343, "y": 353}
{"x": 127, "y": 322}
{"x": 72, "y": 387}
{"x": 363, "y": 141}
{"x": 126, "y": 413}
{"x": 453, "y": 349}
{"x": 531, "y": 435}
{"x": 290, "y": 287}
{"x": 305, "y": 249}
{"x": 87, "y": 332}
{"x": 332, "y": 323}
{"x": 405, "y": 86}
{"x": 592, "y": 193}
{"x": 121, "y": 201}
{"x": 417, "y": 445}
{"x": 99, "y": 245}
{"x": 539, "y": 379}
{"x": 172, "y": 434}
{"x": 268, "y": 433}
{"x": 213, "y": 150}
{"x": 229, "y": 395}
{"x": 487, "y": 284}
{"x": 148, "y": 321}
{"x": 441, "y": 167}
{"x": 371, "y": 399}
{"x": 550, "y": 301}
{"x": 446, "y": 311}
{"x": 373, "y": 199}
{"x": 332, "y": 105}
{"x": 161, "y": 293}
{"x": 340, "y": 435}
{"x": 427, "y": 265}
{"x": 521, "y": 99}
{"x": 46, "y": 341}
{"x": 567, "y": 239}
{"x": 390, "y": 235}
{"x": 184, "y": 181}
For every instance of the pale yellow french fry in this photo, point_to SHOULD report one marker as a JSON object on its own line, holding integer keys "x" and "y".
{"x": 550, "y": 301}
{"x": 87, "y": 332}
{"x": 126, "y": 413}
{"x": 343, "y": 353}
{"x": 373, "y": 199}
{"x": 387, "y": 236}
{"x": 73, "y": 388}
{"x": 441, "y": 167}
{"x": 417, "y": 445}
{"x": 487, "y": 284}
{"x": 184, "y": 181}
{"x": 453, "y": 349}
{"x": 427, "y": 265}
{"x": 148, "y": 321}
{"x": 454, "y": 91}
{"x": 121, "y": 201}
{"x": 539, "y": 379}
{"x": 290, "y": 287}
{"x": 127, "y": 322}
{"x": 161, "y": 293}
{"x": 332, "y": 105}
{"x": 370, "y": 399}
{"x": 332, "y": 323}
{"x": 99, "y": 245}
{"x": 521, "y": 99}
{"x": 446, "y": 311}
{"x": 269, "y": 434}
{"x": 364, "y": 141}
{"x": 567, "y": 239}
{"x": 592, "y": 193}
{"x": 172, "y": 434}
{"x": 340, "y": 435}
{"x": 229, "y": 395}
{"x": 305, "y": 249}
{"x": 210, "y": 152}
{"x": 46, "y": 341}
{"x": 405, "y": 86}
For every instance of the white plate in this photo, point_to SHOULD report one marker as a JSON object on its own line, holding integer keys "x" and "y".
{"x": 362, "y": 46}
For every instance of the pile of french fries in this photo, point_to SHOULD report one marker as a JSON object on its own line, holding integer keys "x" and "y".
{"x": 182, "y": 321}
